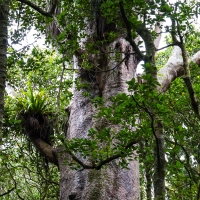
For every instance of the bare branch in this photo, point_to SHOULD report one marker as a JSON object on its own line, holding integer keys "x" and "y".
{"x": 40, "y": 10}
{"x": 196, "y": 58}
{"x": 174, "y": 68}
{"x": 170, "y": 45}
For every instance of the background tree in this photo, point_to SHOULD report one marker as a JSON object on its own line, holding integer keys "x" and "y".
{"x": 25, "y": 174}
{"x": 4, "y": 6}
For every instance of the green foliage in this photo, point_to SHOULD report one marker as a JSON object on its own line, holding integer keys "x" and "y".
{"x": 32, "y": 103}
{"x": 23, "y": 168}
{"x": 162, "y": 58}
{"x": 133, "y": 114}
{"x": 42, "y": 70}
{"x": 24, "y": 172}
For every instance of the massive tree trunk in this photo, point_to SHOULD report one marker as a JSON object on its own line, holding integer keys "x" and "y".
{"x": 108, "y": 79}
{"x": 4, "y": 9}
{"x": 110, "y": 182}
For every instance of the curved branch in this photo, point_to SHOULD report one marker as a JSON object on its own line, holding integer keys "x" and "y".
{"x": 172, "y": 69}
{"x": 15, "y": 184}
{"x": 101, "y": 163}
{"x": 178, "y": 65}
{"x": 152, "y": 125}
{"x": 170, "y": 45}
{"x": 40, "y": 10}
{"x": 46, "y": 150}
{"x": 109, "y": 159}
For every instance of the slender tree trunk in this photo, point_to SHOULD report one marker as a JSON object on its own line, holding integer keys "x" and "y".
{"x": 4, "y": 9}
{"x": 147, "y": 166}
{"x": 148, "y": 171}
{"x": 110, "y": 182}
{"x": 159, "y": 163}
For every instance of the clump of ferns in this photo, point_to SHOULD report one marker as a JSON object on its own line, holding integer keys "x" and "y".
{"x": 34, "y": 113}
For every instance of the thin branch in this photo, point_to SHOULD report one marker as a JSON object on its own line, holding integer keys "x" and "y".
{"x": 188, "y": 82}
{"x": 152, "y": 126}
{"x": 187, "y": 164}
{"x": 9, "y": 191}
{"x": 109, "y": 159}
{"x": 14, "y": 183}
{"x": 60, "y": 85}
{"x": 24, "y": 47}
{"x": 117, "y": 65}
{"x": 173, "y": 31}
{"x": 186, "y": 77}
{"x": 76, "y": 158}
{"x": 40, "y": 10}
{"x": 15, "y": 186}
{"x": 170, "y": 45}
{"x": 193, "y": 99}
{"x": 101, "y": 163}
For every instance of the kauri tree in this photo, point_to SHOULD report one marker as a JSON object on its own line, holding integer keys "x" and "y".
{"x": 116, "y": 119}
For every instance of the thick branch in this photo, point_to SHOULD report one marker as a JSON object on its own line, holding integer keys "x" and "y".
{"x": 146, "y": 35}
{"x": 174, "y": 68}
{"x": 46, "y": 150}
{"x": 40, "y": 10}
{"x": 196, "y": 58}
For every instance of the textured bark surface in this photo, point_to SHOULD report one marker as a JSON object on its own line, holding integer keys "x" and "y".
{"x": 174, "y": 68}
{"x": 159, "y": 163}
{"x": 4, "y": 9}
{"x": 109, "y": 182}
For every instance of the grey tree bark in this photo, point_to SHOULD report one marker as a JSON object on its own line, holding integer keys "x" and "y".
{"x": 110, "y": 182}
